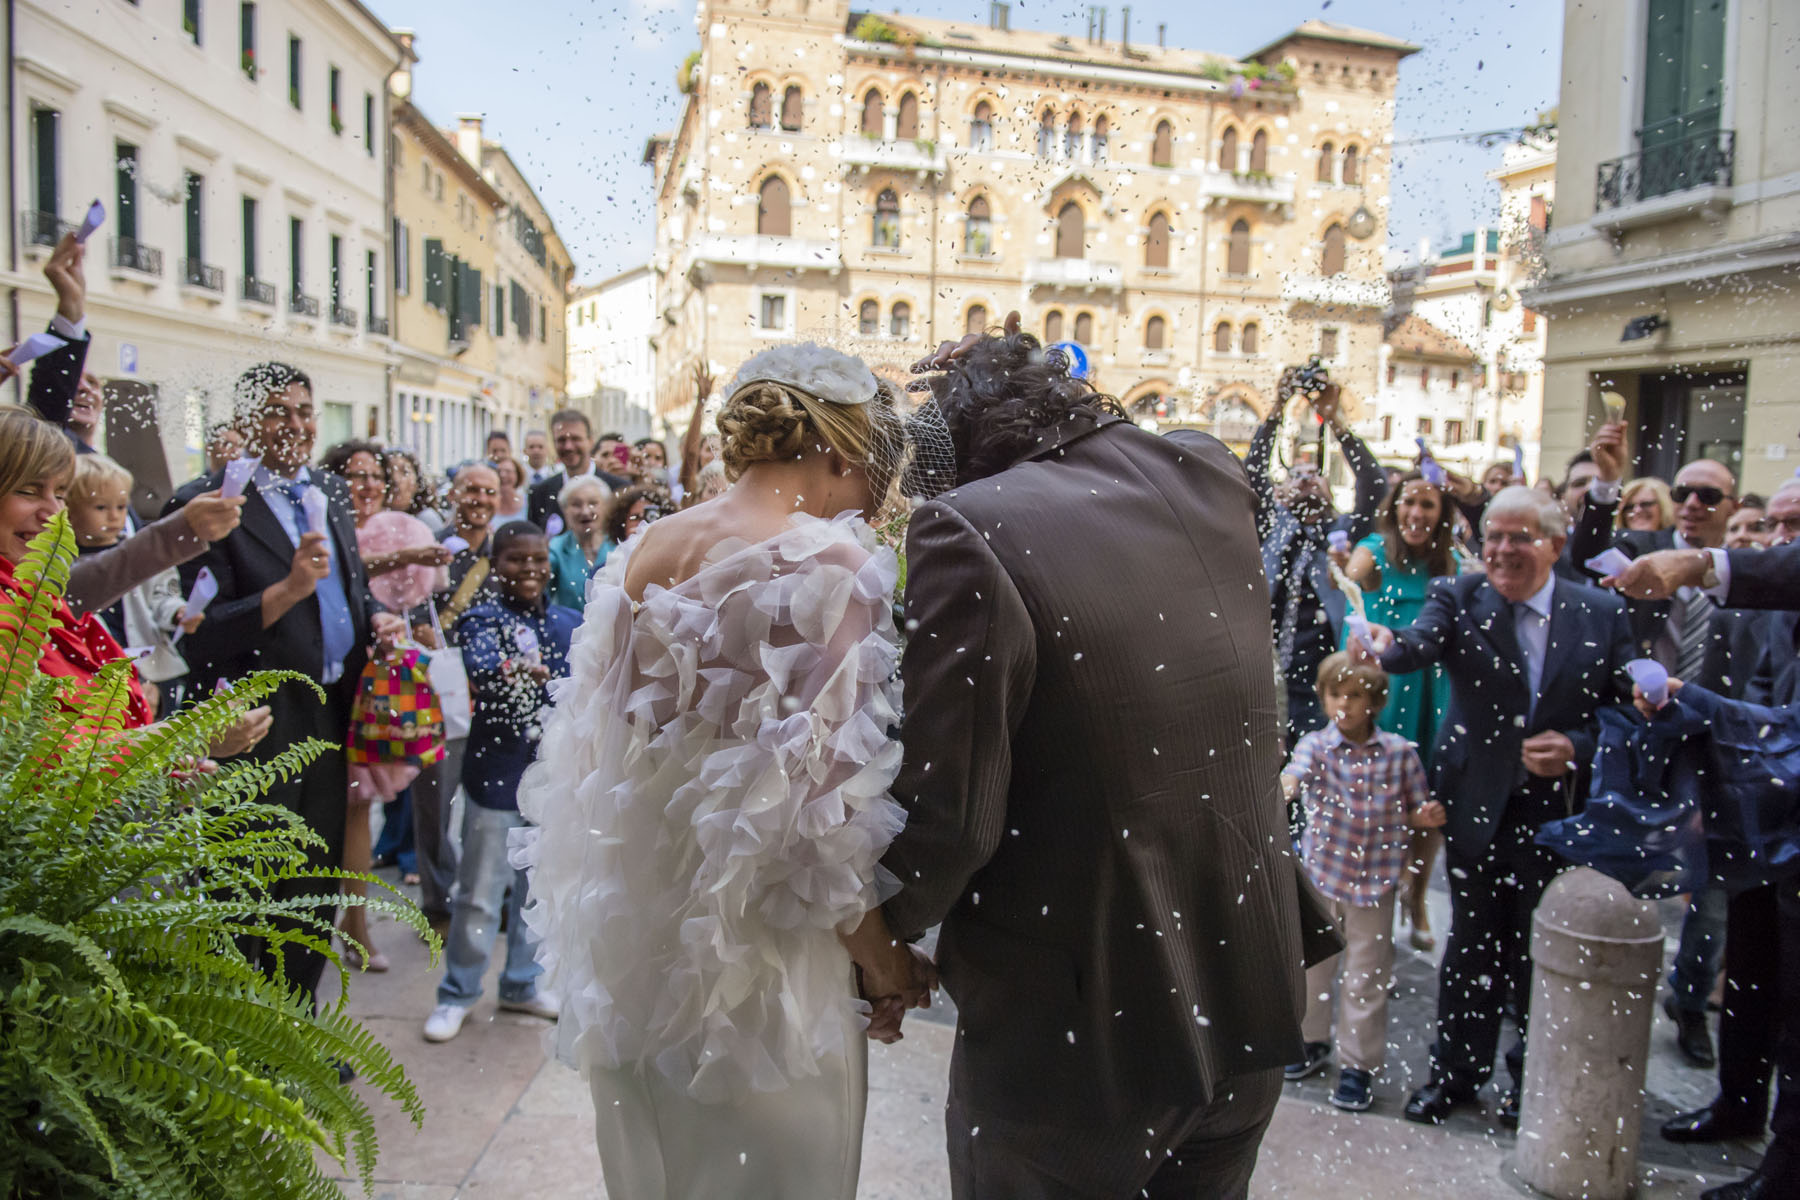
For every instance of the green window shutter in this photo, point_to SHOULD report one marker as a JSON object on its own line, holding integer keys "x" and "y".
{"x": 437, "y": 289}
{"x": 468, "y": 304}
{"x": 1684, "y": 69}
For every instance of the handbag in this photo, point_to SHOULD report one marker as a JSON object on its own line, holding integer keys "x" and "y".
{"x": 397, "y": 718}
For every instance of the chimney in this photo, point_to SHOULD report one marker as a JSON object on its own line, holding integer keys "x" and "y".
{"x": 997, "y": 15}
{"x": 1103, "y": 23}
{"x": 1090, "y": 36}
{"x": 468, "y": 137}
{"x": 1125, "y": 27}
{"x": 1162, "y": 32}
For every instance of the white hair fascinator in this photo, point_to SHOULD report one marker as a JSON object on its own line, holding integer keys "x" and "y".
{"x": 810, "y": 369}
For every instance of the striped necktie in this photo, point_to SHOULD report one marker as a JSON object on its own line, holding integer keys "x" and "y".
{"x": 1696, "y": 626}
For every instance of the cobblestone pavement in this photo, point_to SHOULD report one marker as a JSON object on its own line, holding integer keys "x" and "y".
{"x": 502, "y": 1121}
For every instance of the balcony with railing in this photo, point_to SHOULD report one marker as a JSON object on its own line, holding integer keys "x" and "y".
{"x": 919, "y": 155}
{"x": 196, "y": 274}
{"x": 129, "y": 254}
{"x": 1675, "y": 174}
{"x": 1081, "y": 273}
{"x": 1253, "y": 187}
{"x": 1335, "y": 291}
{"x": 41, "y": 230}
{"x": 301, "y": 305}
{"x": 255, "y": 291}
{"x": 343, "y": 318}
{"x": 377, "y": 325}
{"x": 767, "y": 250}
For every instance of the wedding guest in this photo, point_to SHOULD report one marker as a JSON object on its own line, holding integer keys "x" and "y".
{"x": 1471, "y": 498}
{"x": 61, "y": 391}
{"x": 1364, "y": 793}
{"x": 697, "y": 448}
{"x": 513, "y": 646}
{"x": 499, "y": 446}
{"x": 578, "y": 550}
{"x": 224, "y": 443}
{"x": 513, "y": 500}
{"x": 573, "y": 436}
{"x": 629, "y": 512}
{"x": 709, "y": 484}
{"x": 1395, "y": 566}
{"x": 1748, "y": 528}
{"x": 614, "y": 453}
{"x": 537, "y": 456}
{"x": 474, "y": 494}
{"x": 1644, "y": 506}
{"x": 407, "y": 490}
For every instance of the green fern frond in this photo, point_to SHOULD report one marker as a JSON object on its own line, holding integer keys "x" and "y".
{"x": 25, "y": 618}
{"x": 27, "y": 926}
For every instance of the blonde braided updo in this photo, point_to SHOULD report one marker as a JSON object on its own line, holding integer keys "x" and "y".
{"x": 761, "y": 423}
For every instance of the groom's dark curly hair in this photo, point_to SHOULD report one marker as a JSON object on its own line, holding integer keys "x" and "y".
{"x": 1003, "y": 396}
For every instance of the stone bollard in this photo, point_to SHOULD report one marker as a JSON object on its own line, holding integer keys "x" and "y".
{"x": 1596, "y": 958}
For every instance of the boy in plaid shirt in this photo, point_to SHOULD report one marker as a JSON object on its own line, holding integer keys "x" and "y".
{"x": 1364, "y": 791}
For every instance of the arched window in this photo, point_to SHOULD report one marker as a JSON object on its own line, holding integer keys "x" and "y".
{"x": 792, "y": 107}
{"x": 1259, "y": 152}
{"x": 900, "y": 320}
{"x": 977, "y": 319}
{"x": 1228, "y": 148}
{"x": 1352, "y": 165}
{"x": 981, "y": 128}
{"x": 1071, "y": 231}
{"x": 885, "y": 230}
{"x": 1053, "y": 326}
{"x": 1046, "y": 135}
{"x": 1154, "y": 329}
{"x": 1222, "y": 337}
{"x": 774, "y": 216}
{"x": 1101, "y": 130}
{"x": 868, "y": 319}
{"x": 1156, "y": 245}
{"x": 1237, "y": 250}
{"x": 1251, "y": 335}
{"x": 906, "y": 125}
{"x": 1072, "y": 138}
{"x": 874, "y": 117}
{"x": 1327, "y": 152}
{"x": 759, "y": 106}
{"x": 1162, "y": 146}
{"x": 1084, "y": 328}
{"x": 978, "y": 228}
{"x": 1331, "y": 251}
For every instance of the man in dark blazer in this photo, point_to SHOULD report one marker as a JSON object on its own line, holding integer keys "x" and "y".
{"x": 1531, "y": 659}
{"x": 1294, "y": 522}
{"x": 573, "y": 437}
{"x": 1090, "y": 780}
{"x": 1694, "y": 640}
{"x": 294, "y": 598}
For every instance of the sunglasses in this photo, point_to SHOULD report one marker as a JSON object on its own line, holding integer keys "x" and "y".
{"x": 1712, "y": 497}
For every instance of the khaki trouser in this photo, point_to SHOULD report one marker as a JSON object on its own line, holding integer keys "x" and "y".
{"x": 1367, "y": 966}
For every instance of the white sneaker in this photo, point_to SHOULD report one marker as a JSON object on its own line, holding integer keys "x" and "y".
{"x": 538, "y": 1004}
{"x": 445, "y": 1022}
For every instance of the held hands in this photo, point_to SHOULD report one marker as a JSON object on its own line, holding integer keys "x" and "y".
{"x": 895, "y": 978}
{"x": 1548, "y": 755}
{"x": 212, "y": 516}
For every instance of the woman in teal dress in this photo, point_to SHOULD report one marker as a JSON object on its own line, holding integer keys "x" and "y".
{"x": 1414, "y": 543}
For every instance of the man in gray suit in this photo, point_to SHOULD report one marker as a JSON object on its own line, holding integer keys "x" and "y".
{"x": 1090, "y": 780}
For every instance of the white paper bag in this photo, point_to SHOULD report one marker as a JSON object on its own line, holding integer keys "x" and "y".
{"x": 451, "y": 683}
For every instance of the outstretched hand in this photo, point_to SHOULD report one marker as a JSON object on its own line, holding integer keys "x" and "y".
{"x": 949, "y": 352}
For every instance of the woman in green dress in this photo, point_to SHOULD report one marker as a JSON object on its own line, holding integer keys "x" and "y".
{"x": 1414, "y": 543}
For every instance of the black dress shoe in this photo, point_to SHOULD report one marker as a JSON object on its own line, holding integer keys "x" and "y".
{"x": 1756, "y": 1187}
{"x": 1710, "y": 1124}
{"x": 1508, "y": 1112}
{"x": 1433, "y": 1102}
{"x": 1692, "y": 1035}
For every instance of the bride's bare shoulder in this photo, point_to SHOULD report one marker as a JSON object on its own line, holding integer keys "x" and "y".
{"x": 673, "y": 550}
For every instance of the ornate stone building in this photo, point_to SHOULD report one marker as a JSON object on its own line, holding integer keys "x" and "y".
{"x": 1195, "y": 222}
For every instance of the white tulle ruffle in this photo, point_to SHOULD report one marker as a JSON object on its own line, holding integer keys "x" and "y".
{"x": 710, "y": 805}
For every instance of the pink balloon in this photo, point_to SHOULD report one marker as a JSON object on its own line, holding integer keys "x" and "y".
{"x": 384, "y": 533}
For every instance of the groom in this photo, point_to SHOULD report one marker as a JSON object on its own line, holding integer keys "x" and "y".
{"x": 1090, "y": 781}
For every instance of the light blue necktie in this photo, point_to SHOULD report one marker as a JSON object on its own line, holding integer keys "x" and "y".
{"x": 337, "y": 629}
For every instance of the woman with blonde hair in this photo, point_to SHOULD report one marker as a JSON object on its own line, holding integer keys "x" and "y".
{"x": 1645, "y": 505}
{"x": 711, "y": 803}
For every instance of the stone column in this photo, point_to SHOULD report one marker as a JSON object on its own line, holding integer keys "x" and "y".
{"x": 1596, "y": 958}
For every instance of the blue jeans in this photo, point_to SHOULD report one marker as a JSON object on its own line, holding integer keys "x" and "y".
{"x": 1702, "y": 950}
{"x": 481, "y": 882}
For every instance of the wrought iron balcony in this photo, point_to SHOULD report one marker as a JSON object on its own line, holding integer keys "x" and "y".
{"x": 303, "y": 306}
{"x": 196, "y": 273}
{"x": 1702, "y": 159}
{"x": 255, "y": 291}
{"x": 345, "y": 317}
{"x": 378, "y": 325}
{"x": 129, "y": 254}
{"x": 1074, "y": 273}
{"x": 42, "y": 228}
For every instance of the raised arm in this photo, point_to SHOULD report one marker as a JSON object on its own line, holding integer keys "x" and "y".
{"x": 1422, "y": 643}
{"x": 696, "y": 431}
{"x": 1371, "y": 480}
{"x": 1256, "y": 466}
{"x": 968, "y": 669}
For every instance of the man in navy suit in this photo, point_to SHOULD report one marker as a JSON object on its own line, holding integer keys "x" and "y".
{"x": 291, "y": 597}
{"x": 1531, "y": 658}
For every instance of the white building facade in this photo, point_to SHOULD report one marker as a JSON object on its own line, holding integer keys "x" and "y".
{"x": 240, "y": 151}
{"x": 612, "y": 364}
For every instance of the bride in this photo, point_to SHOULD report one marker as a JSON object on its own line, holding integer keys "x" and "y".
{"x": 710, "y": 803}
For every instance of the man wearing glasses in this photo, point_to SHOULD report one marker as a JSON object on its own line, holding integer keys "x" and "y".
{"x": 1694, "y": 640}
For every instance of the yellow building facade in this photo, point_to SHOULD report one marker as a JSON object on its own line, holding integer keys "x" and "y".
{"x": 882, "y": 183}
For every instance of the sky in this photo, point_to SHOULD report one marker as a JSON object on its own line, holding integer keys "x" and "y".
{"x": 574, "y": 90}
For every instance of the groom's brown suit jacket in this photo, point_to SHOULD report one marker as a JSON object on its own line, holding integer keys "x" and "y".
{"x": 1091, "y": 765}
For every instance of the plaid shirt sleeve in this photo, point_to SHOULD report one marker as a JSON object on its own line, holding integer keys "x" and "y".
{"x": 1415, "y": 792}
{"x": 1302, "y": 763}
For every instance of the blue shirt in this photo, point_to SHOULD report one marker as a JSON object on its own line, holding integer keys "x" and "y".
{"x": 336, "y": 626}
{"x": 503, "y": 735}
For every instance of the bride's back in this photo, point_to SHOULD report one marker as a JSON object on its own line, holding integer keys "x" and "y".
{"x": 674, "y": 549}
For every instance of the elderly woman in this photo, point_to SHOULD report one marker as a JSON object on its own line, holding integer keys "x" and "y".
{"x": 1645, "y": 505}
{"x": 578, "y": 550}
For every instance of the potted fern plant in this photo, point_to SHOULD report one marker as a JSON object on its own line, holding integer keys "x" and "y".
{"x": 140, "y": 1054}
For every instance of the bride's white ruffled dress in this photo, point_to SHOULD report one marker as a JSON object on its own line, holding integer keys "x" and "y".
{"x": 710, "y": 804}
